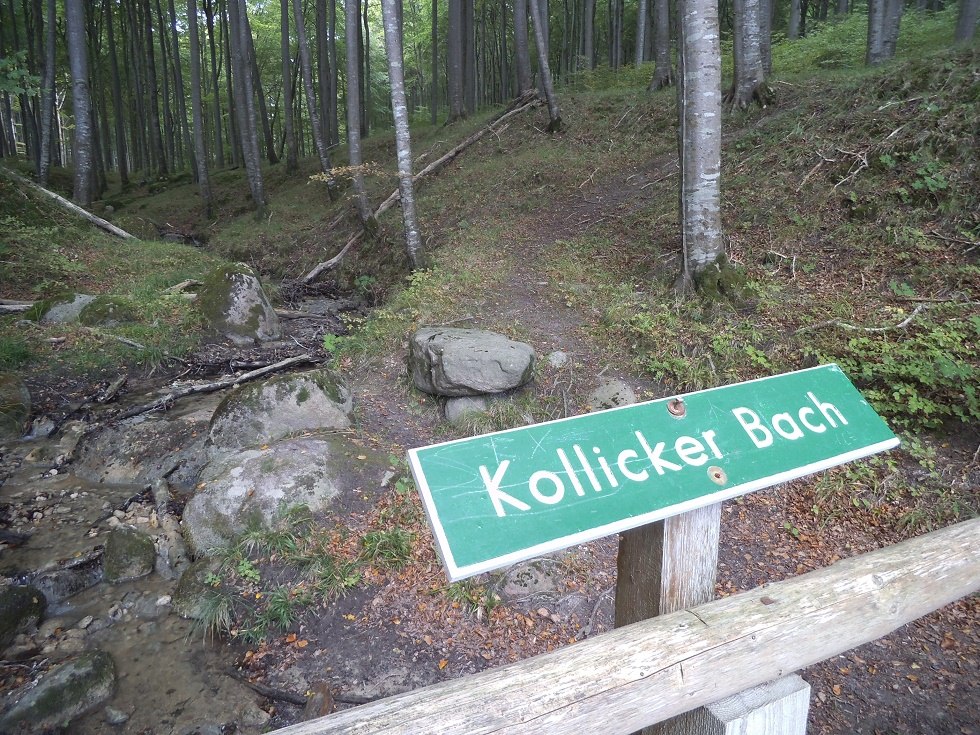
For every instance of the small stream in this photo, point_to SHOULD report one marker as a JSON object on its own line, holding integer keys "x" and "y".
{"x": 66, "y": 493}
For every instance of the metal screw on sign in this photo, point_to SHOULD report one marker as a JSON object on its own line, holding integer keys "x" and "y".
{"x": 676, "y": 407}
{"x": 717, "y": 474}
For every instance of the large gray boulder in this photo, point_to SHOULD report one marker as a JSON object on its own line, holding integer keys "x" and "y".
{"x": 129, "y": 554}
{"x": 257, "y": 486}
{"x": 234, "y": 304}
{"x": 467, "y": 362}
{"x": 15, "y": 406}
{"x": 261, "y": 413}
{"x": 64, "y": 693}
{"x": 21, "y": 608}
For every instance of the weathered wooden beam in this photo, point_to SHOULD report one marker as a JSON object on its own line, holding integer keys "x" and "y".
{"x": 634, "y": 676}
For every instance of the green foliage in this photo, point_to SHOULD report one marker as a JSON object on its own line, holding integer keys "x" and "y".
{"x": 15, "y": 77}
{"x": 14, "y": 351}
{"x": 921, "y": 376}
{"x": 391, "y": 549}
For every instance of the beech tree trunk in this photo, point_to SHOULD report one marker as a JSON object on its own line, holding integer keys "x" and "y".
{"x": 883, "y": 24}
{"x": 82, "y": 150}
{"x": 454, "y": 51}
{"x": 48, "y": 92}
{"x": 307, "y": 73}
{"x": 747, "y": 86}
{"x": 219, "y": 148}
{"x": 292, "y": 150}
{"x": 522, "y": 52}
{"x": 352, "y": 24}
{"x": 699, "y": 108}
{"x": 663, "y": 74}
{"x": 396, "y": 74}
{"x": 588, "y": 34}
{"x": 197, "y": 111}
{"x": 966, "y": 23}
{"x": 245, "y": 107}
{"x": 554, "y": 115}
{"x": 641, "y": 30}
{"x": 795, "y": 10}
{"x": 434, "y": 41}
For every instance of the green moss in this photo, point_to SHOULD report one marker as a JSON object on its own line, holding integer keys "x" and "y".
{"x": 302, "y": 396}
{"x": 129, "y": 554}
{"x": 721, "y": 280}
{"x": 20, "y": 608}
{"x": 108, "y": 311}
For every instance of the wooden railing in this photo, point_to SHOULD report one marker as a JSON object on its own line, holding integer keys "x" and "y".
{"x": 647, "y": 672}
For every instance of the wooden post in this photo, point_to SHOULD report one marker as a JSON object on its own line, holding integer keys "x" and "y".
{"x": 776, "y": 708}
{"x": 663, "y": 567}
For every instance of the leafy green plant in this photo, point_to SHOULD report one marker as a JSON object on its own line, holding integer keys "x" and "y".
{"x": 248, "y": 571}
{"x": 14, "y": 352}
{"x": 921, "y": 376}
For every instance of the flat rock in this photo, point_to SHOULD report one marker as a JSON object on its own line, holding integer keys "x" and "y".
{"x": 467, "y": 362}
{"x": 457, "y": 408}
{"x": 65, "y": 309}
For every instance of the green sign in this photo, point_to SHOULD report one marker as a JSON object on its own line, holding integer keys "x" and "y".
{"x": 501, "y": 498}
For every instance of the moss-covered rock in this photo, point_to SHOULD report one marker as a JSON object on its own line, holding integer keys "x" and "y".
{"x": 63, "y": 694}
{"x": 61, "y": 309}
{"x": 233, "y": 303}
{"x": 15, "y": 406}
{"x": 20, "y": 609}
{"x": 260, "y": 413}
{"x": 108, "y": 311}
{"x": 129, "y": 554}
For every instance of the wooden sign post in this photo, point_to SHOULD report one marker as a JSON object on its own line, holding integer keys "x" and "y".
{"x": 654, "y": 472}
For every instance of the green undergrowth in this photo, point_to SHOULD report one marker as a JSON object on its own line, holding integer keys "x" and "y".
{"x": 268, "y": 579}
{"x": 48, "y": 253}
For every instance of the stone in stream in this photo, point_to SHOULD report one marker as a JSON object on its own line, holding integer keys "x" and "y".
{"x": 455, "y": 362}
{"x": 21, "y": 608}
{"x": 234, "y": 305}
{"x": 63, "y": 694}
{"x": 190, "y": 596}
{"x": 64, "y": 579}
{"x": 15, "y": 406}
{"x": 263, "y": 412}
{"x": 256, "y": 487}
{"x": 129, "y": 554}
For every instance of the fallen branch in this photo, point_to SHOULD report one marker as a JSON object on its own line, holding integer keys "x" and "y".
{"x": 227, "y": 382}
{"x": 517, "y": 106}
{"x": 334, "y": 261}
{"x": 855, "y": 328}
{"x": 14, "y": 307}
{"x": 65, "y": 204}
{"x": 291, "y": 697}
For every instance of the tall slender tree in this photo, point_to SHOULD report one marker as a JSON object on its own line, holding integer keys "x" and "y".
{"x": 399, "y": 105}
{"x": 197, "y": 109}
{"x": 219, "y": 146}
{"x": 699, "y": 108}
{"x": 48, "y": 94}
{"x": 522, "y": 52}
{"x": 434, "y": 100}
{"x": 292, "y": 150}
{"x": 307, "y": 74}
{"x": 641, "y": 29}
{"x": 454, "y": 62}
{"x": 245, "y": 109}
{"x": 966, "y": 22}
{"x": 663, "y": 74}
{"x": 554, "y": 114}
{"x": 82, "y": 147}
{"x": 749, "y": 83}
{"x": 352, "y": 24}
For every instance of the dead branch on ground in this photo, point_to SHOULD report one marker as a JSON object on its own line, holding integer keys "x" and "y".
{"x": 65, "y": 204}
{"x": 227, "y": 382}
{"x": 517, "y": 106}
